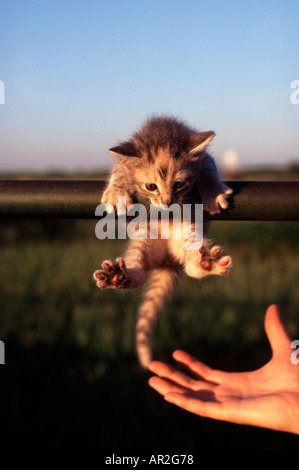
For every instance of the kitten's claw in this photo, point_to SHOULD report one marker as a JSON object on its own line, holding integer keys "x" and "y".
{"x": 107, "y": 265}
{"x": 110, "y": 197}
{"x": 117, "y": 279}
{"x": 207, "y": 265}
{"x": 213, "y": 262}
{"x": 224, "y": 261}
{"x": 112, "y": 275}
{"x": 216, "y": 252}
{"x": 201, "y": 249}
{"x": 217, "y": 199}
{"x": 121, "y": 263}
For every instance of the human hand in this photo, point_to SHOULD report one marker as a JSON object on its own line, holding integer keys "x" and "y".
{"x": 267, "y": 397}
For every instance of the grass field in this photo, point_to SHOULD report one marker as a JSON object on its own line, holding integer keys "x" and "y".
{"x": 71, "y": 378}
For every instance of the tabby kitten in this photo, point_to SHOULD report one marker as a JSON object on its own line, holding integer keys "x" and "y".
{"x": 164, "y": 162}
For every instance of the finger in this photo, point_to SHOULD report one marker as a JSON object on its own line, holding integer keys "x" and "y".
{"x": 164, "y": 386}
{"x": 160, "y": 368}
{"x": 197, "y": 368}
{"x": 167, "y": 388}
{"x": 276, "y": 332}
{"x": 206, "y": 407}
{"x": 173, "y": 375}
{"x": 232, "y": 410}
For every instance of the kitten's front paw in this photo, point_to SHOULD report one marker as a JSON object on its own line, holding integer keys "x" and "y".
{"x": 213, "y": 262}
{"x": 112, "y": 275}
{"x": 217, "y": 199}
{"x": 110, "y": 196}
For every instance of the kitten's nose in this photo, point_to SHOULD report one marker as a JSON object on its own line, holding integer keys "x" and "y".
{"x": 166, "y": 200}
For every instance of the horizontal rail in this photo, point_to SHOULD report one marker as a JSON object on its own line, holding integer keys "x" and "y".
{"x": 252, "y": 200}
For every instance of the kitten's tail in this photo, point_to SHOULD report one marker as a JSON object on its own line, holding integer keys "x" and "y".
{"x": 159, "y": 287}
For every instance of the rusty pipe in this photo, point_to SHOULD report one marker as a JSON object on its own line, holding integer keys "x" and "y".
{"x": 252, "y": 200}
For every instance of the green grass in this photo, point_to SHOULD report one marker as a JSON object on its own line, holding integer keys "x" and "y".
{"x": 47, "y": 293}
{"x": 58, "y": 327}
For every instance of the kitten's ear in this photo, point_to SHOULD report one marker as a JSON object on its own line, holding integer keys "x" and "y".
{"x": 124, "y": 153}
{"x": 200, "y": 142}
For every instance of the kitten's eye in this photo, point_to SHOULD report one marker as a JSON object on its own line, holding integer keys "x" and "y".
{"x": 151, "y": 186}
{"x": 179, "y": 184}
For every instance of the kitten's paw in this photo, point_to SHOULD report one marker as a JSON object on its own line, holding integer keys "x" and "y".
{"x": 110, "y": 196}
{"x": 213, "y": 262}
{"x": 222, "y": 198}
{"x": 112, "y": 275}
{"x": 217, "y": 199}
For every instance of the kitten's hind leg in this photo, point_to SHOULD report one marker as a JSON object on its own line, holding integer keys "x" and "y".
{"x": 118, "y": 276}
{"x": 207, "y": 262}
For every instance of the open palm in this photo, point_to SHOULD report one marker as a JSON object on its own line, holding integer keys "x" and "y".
{"x": 267, "y": 397}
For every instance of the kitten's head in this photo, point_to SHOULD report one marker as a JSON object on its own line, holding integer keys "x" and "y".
{"x": 162, "y": 159}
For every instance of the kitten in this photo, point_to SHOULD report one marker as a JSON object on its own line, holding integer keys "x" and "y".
{"x": 164, "y": 162}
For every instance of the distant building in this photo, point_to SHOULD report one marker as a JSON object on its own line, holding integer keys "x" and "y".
{"x": 231, "y": 162}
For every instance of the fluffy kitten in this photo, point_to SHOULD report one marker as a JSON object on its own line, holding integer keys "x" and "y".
{"x": 164, "y": 162}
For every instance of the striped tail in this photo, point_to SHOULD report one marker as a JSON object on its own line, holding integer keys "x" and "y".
{"x": 159, "y": 287}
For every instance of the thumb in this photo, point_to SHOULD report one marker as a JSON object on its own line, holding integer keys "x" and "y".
{"x": 275, "y": 330}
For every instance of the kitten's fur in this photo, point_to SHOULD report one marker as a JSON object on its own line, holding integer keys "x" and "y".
{"x": 165, "y": 161}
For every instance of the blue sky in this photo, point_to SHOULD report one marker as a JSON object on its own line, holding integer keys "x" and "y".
{"x": 82, "y": 75}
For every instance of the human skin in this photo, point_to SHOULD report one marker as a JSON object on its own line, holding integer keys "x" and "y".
{"x": 267, "y": 397}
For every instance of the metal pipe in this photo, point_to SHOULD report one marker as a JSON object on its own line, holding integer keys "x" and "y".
{"x": 252, "y": 200}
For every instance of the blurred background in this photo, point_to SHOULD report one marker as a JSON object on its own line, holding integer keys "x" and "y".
{"x": 79, "y": 77}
